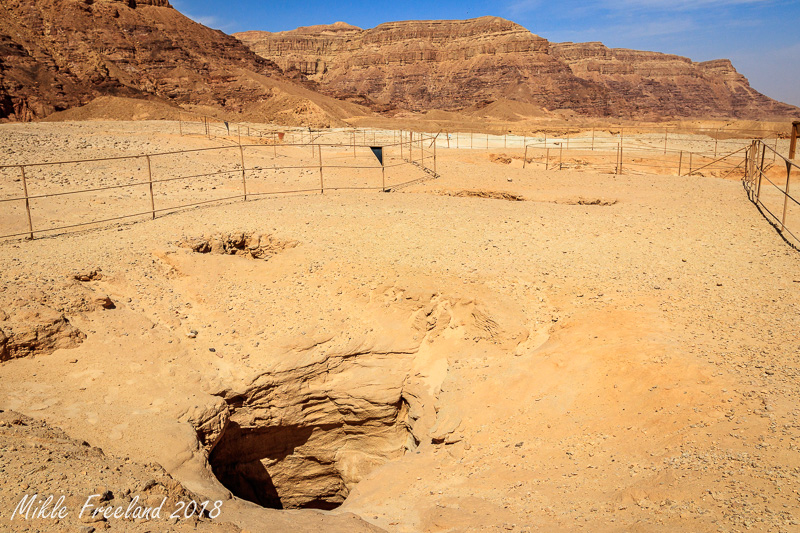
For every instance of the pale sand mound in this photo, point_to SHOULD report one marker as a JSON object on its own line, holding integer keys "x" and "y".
{"x": 118, "y": 108}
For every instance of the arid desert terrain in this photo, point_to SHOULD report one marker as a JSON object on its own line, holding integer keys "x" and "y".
{"x": 489, "y": 348}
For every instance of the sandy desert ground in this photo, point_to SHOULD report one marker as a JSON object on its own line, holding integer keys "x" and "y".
{"x": 602, "y": 353}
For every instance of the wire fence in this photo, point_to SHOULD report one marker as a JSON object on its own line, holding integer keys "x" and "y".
{"x": 260, "y": 160}
{"x": 616, "y": 158}
{"x": 768, "y": 187}
{"x": 57, "y": 196}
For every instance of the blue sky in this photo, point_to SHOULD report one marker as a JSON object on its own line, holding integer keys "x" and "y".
{"x": 761, "y": 37}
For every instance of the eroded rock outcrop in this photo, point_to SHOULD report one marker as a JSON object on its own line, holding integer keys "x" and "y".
{"x": 303, "y": 434}
{"x": 454, "y": 64}
{"x": 36, "y": 330}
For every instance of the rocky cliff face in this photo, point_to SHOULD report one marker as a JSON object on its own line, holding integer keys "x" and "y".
{"x": 424, "y": 65}
{"x": 57, "y": 54}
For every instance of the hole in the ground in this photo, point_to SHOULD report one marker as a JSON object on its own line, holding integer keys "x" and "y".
{"x": 259, "y": 246}
{"x": 306, "y": 467}
{"x": 491, "y": 195}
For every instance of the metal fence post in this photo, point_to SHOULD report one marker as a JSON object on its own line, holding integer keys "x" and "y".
{"x": 690, "y": 164}
{"x": 547, "y": 159}
{"x": 560, "y": 152}
{"x": 244, "y": 181}
{"x": 760, "y": 173}
{"x": 525, "y": 157}
{"x": 680, "y": 163}
{"x": 321, "y": 183}
{"x": 150, "y": 182}
{"x": 775, "y": 152}
{"x": 27, "y": 200}
{"x": 786, "y": 195}
{"x": 383, "y": 170}
{"x": 434, "y": 156}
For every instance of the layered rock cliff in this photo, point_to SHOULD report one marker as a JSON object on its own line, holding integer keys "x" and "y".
{"x": 425, "y": 65}
{"x": 57, "y": 54}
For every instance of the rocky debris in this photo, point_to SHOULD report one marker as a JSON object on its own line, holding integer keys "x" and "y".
{"x": 461, "y": 64}
{"x": 36, "y": 330}
{"x": 104, "y": 302}
{"x": 492, "y": 195}
{"x": 587, "y": 201}
{"x": 500, "y": 158}
{"x": 93, "y": 275}
{"x": 39, "y": 459}
{"x": 257, "y": 246}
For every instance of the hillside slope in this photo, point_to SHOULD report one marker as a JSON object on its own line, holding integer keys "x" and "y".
{"x": 58, "y": 54}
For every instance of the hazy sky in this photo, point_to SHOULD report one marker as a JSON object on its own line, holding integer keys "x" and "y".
{"x": 761, "y": 37}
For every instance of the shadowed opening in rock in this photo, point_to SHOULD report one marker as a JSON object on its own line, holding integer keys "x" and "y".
{"x": 306, "y": 467}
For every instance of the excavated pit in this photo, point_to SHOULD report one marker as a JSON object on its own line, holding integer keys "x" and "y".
{"x": 298, "y": 466}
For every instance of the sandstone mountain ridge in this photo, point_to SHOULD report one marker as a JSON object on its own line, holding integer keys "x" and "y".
{"x": 455, "y": 64}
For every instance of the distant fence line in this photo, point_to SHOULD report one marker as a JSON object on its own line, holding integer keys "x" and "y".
{"x": 768, "y": 187}
{"x": 593, "y": 138}
{"x": 412, "y": 148}
{"x": 612, "y": 152}
{"x": 558, "y": 156}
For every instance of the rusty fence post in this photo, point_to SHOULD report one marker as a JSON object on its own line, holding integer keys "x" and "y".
{"x": 793, "y": 139}
{"x": 150, "y": 182}
{"x": 680, "y": 163}
{"x": 786, "y": 195}
{"x": 27, "y": 200}
{"x": 244, "y": 180}
{"x": 760, "y": 173}
{"x": 547, "y": 159}
{"x": 525, "y": 157}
